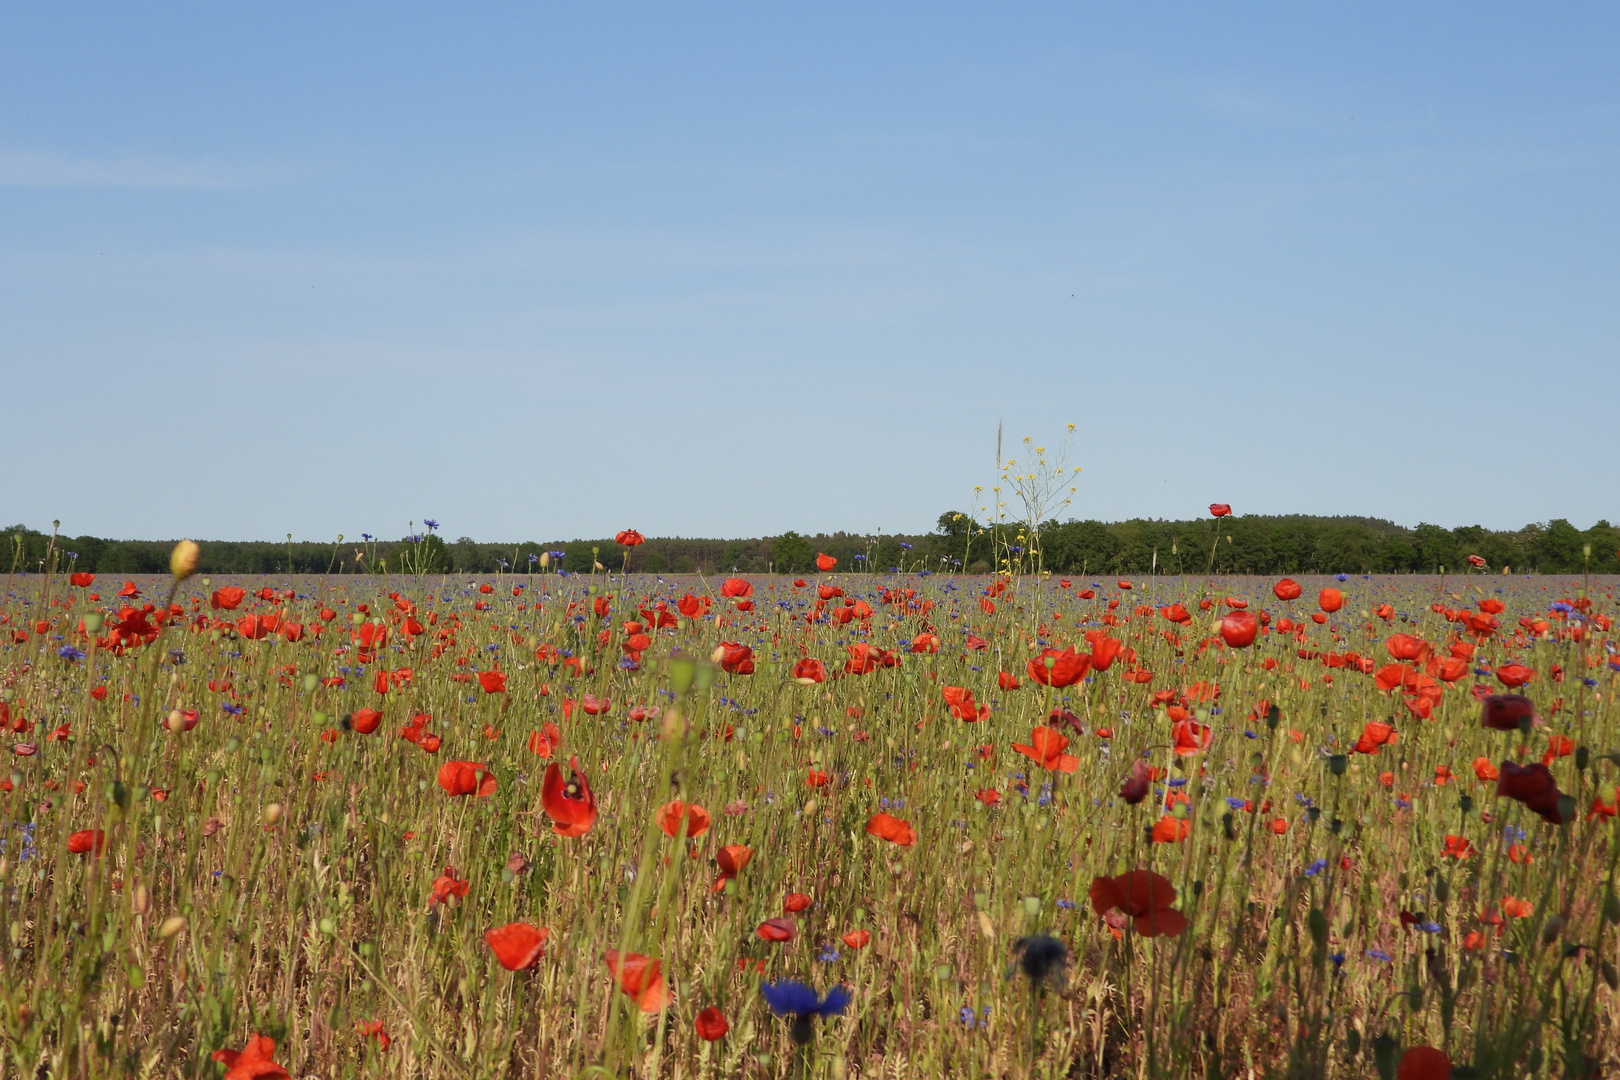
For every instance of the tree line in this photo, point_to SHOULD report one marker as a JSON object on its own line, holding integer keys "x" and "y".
{"x": 1251, "y": 544}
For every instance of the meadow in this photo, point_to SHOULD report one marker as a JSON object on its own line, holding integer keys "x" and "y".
{"x": 596, "y": 825}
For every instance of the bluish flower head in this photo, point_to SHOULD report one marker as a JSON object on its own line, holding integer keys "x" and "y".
{"x": 1341, "y": 577}
{"x": 1236, "y": 803}
{"x": 790, "y": 998}
{"x": 1316, "y": 867}
{"x": 430, "y": 523}
{"x": 1565, "y": 607}
{"x": 1337, "y": 958}
{"x": 1429, "y": 927}
{"x": 68, "y": 652}
{"x": 1380, "y": 954}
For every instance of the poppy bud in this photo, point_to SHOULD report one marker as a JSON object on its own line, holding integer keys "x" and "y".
{"x": 140, "y": 898}
{"x": 1552, "y": 928}
{"x": 93, "y": 621}
{"x": 183, "y": 559}
{"x": 171, "y": 926}
{"x": 273, "y": 814}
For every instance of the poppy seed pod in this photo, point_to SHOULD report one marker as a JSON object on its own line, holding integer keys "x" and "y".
{"x": 183, "y": 559}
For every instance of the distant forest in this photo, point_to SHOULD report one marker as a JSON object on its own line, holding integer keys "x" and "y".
{"x": 1294, "y": 544}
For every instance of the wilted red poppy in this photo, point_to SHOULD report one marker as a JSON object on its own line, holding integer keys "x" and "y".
{"x": 493, "y": 682}
{"x": 676, "y": 813}
{"x": 86, "y": 840}
{"x": 1514, "y": 675}
{"x": 1046, "y": 750}
{"x": 1135, "y": 787}
{"x": 639, "y": 977}
{"x": 893, "y": 829}
{"x": 1057, "y": 668}
{"x": 1148, "y": 898}
{"x": 467, "y": 778}
{"x": 252, "y": 1062}
{"x": 736, "y": 586}
{"x": 1534, "y": 786}
{"x": 1287, "y": 589}
{"x": 1503, "y": 712}
{"x": 711, "y": 1024}
{"x": 1220, "y": 509}
{"x": 1239, "y": 629}
{"x": 777, "y": 930}
{"x": 517, "y": 945}
{"x": 1330, "y": 599}
{"x": 571, "y": 806}
{"x": 629, "y": 538}
{"x": 825, "y": 562}
{"x": 1423, "y": 1063}
{"x": 809, "y": 671}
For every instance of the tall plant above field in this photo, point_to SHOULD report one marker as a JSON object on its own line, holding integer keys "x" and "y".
{"x": 1037, "y": 481}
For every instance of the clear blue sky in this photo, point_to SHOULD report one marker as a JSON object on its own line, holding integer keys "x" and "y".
{"x": 699, "y": 269}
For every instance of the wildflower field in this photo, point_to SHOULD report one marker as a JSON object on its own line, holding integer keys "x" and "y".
{"x": 841, "y": 825}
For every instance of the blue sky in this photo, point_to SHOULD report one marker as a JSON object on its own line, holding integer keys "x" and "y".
{"x": 547, "y": 271}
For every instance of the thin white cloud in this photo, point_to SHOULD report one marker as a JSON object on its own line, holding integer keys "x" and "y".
{"x": 31, "y": 169}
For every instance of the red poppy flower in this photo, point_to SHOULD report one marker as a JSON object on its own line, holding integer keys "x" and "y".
{"x": 893, "y": 829}
{"x": 1190, "y": 737}
{"x": 87, "y": 840}
{"x": 544, "y": 743}
{"x": 365, "y": 721}
{"x": 730, "y": 859}
{"x": 1375, "y": 734}
{"x": 629, "y": 538}
{"x": 1407, "y": 647}
{"x": 711, "y": 1024}
{"x": 1220, "y": 509}
{"x": 228, "y": 598}
{"x": 962, "y": 706}
{"x": 1006, "y": 680}
{"x": 571, "y": 806}
{"x": 825, "y": 562}
{"x": 865, "y": 658}
{"x": 809, "y": 671}
{"x": 1534, "y": 786}
{"x": 1058, "y": 669}
{"x": 639, "y": 977}
{"x": 467, "y": 778}
{"x": 1239, "y": 629}
{"x": 796, "y": 902}
{"x": 1046, "y": 750}
{"x": 734, "y": 658}
{"x": 1330, "y": 599}
{"x": 595, "y": 706}
{"x": 736, "y": 586}
{"x": 1170, "y": 829}
{"x": 374, "y": 1029}
{"x": 518, "y": 945}
{"x": 1287, "y": 589}
{"x": 447, "y": 886}
{"x": 777, "y": 930}
{"x": 1148, "y": 898}
{"x": 493, "y": 682}
{"x": 1176, "y": 613}
{"x": 252, "y": 1062}
{"x": 83, "y": 580}
{"x": 1423, "y": 1063}
{"x": 1514, "y": 675}
{"x": 1457, "y": 847}
{"x": 676, "y": 813}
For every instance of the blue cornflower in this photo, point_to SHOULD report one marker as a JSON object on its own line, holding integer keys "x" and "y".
{"x": 1316, "y": 867}
{"x": 795, "y": 999}
{"x": 1341, "y": 577}
{"x": 827, "y": 955}
{"x": 1380, "y": 954}
{"x": 234, "y": 710}
{"x": 1560, "y": 605}
{"x": 430, "y": 523}
{"x": 68, "y": 652}
{"x": 1429, "y": 927}
{"x": 1236, "y": 803}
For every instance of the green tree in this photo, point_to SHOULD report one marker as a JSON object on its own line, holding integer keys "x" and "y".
{"x": 791, "y": 553}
